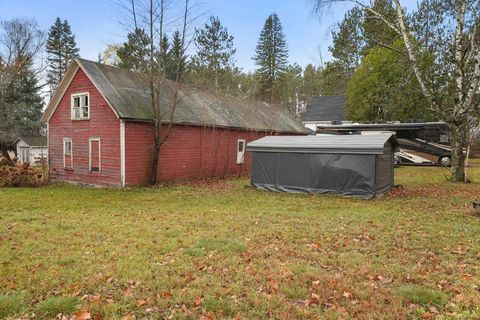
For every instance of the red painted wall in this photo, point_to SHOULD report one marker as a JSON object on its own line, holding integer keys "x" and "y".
{"x": 103, "y": 124}
{"x": 189, "y": 152}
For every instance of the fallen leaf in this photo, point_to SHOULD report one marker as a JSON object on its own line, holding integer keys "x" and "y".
{"x": 82, "y": 315}
{"x": 140, "y": 303}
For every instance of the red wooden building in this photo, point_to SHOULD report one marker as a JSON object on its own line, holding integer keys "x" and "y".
{"x": 100, "y": 129}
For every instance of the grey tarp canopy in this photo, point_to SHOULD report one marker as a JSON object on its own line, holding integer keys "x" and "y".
{"x": 356, "y": 165}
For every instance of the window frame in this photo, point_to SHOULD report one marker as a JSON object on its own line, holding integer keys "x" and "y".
{"x": 72, "y": 106}
{"x": 90, "y": 140}
{"x": 241, "y": 154}
{"x": 65, "y": 141}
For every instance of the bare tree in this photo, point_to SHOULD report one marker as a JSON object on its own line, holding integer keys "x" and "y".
{"x": 164, "y": 94}
{"x": 21, "y": 41}
{"x": 457, "y": 65}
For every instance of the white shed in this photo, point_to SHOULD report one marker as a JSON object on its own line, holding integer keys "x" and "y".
{"x": 32, "y": 149}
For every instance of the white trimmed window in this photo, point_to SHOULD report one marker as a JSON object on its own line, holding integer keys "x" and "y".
{"x": 240, "y": 151}
{"x": 67, "y": 153}
{"x": 80, "y": 106}
{"x": 94, "y": 159}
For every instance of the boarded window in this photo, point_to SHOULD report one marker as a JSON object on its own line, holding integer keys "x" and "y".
{"x": 95, "y": 155}
{"x": 240, "y": 151}
{"x": 67, "y": 153}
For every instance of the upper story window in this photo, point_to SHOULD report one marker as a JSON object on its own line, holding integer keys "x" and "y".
{"x": 80, "y": 106}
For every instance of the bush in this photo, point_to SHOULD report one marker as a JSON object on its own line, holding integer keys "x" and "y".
{"x": 23, "y": 175}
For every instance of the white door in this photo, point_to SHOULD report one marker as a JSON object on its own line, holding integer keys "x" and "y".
{"x": 240, "y": 151}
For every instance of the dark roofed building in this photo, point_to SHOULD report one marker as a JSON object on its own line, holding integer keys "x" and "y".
{"x": 101, "y": 131}
{"x": 324, "y": 110}
{"x": 32, "y": 149}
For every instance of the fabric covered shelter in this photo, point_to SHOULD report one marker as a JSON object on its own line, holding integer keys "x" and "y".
{"x": 353, "y": 165}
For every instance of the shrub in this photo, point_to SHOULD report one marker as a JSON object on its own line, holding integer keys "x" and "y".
{"x": 51, "y": 307}
{"x": 23, "y": 175}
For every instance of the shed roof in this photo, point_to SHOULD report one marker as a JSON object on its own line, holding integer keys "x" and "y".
{"x": 128, "y": 94}
{"x": 325, "y": 108}
{"x": 344, "y": 144}
{"x": 34, "y": 141}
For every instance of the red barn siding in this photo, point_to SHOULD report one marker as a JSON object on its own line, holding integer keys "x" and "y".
{"x": 138, "y": 146}
{"x": 189, "y": 152}
{"x": 103, "y": 124}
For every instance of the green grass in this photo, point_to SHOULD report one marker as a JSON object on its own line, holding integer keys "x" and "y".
{"x": 53, "y": 306}
{"x": 423, "y": 296}
{"x": 10, "y": 305}
{"x": 226, "y": 249}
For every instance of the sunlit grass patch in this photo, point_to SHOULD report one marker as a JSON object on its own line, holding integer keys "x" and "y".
{"x": 11, "y": 305}
{"x": 423, "y": 296}
{"x": 53, "y": 306}
{"x": 216, "y": 305}
{"x": 216, "y": 244}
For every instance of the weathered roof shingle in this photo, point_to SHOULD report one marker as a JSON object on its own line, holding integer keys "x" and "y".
{"x": 128, "y": 94}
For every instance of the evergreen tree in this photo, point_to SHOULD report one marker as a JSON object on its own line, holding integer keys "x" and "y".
{"x": 215, "y": 49}
{"x": 290, "y": 86}
{"x": 271, "y": 56}
{"x": 382, "y": 90}
{"x": 61, "y": 50}
{"x": 134, "y": 54}
{"x": 348, "y": 42}
{"x": 375, "y": 32}
{"x": 312, "y": 85}
{"x": 22, "y": 108}
{"x": 175, "y": 57}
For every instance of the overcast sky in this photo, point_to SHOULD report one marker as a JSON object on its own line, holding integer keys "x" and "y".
{"x": 96, "y": 23}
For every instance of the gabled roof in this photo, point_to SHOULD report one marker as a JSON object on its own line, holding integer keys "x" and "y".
{"x": 34, "y": 141}
{"x": 325, "y": 108}
{"x": 344, "y": 144}
{"x": 128, "y": 94}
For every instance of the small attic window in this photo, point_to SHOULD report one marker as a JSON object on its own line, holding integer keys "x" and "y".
{"x": 80, "y": 106}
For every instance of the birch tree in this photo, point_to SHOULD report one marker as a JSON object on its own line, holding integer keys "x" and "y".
{"x": 451, "y": 82}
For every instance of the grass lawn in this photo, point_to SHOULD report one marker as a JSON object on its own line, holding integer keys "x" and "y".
{"x": 225, "y": 250}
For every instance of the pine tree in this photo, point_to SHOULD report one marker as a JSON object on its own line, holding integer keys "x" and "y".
{"x": 375, "y": 32}
{"x": 271, "y": 56}
{"x": 61, "y": 50}
{"x": 134, "y": 54}
{"x": 23, "y": 104}
{"x": 175, "y": 56}
{"x": 215, "y": 49}
{"x": 348, "y": 42}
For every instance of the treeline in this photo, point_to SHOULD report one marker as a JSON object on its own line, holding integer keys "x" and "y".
{"x": 211, "y": 67}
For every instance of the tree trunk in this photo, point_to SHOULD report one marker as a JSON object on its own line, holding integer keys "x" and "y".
{"x": 458, "y": 158}
{"x": 156, "y": 155}
{"x": 6, "y": 155}
{"x": 216, "y": 80}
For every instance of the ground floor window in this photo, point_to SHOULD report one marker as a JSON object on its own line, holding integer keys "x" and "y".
{"x": 94, "y": 155}
{"x": 67, "y": 153}
{"x": 24, "y": 155}
{"x": 240, "y": 151}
